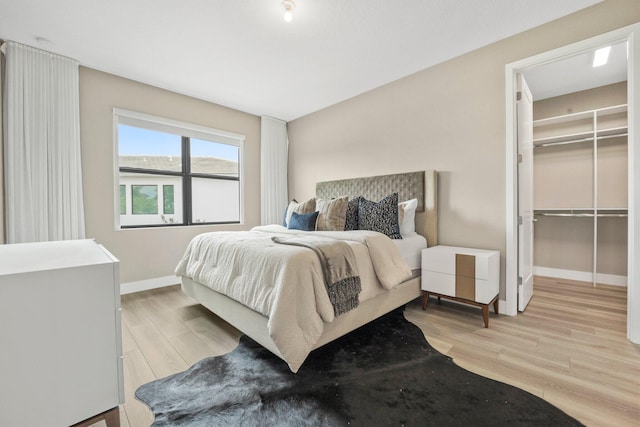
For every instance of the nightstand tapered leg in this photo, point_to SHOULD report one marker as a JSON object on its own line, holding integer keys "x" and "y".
{"x": 485, "y": 314}
{"x": 425, "y": 300}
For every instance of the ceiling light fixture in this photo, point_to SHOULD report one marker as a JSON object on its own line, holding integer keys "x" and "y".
{"x": 601, "y": 56}
{"x": 289, "y": 5}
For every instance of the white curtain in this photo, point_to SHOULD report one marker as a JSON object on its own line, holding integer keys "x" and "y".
{"x": 42, "y": 165}
{"x": 274, "y": 153}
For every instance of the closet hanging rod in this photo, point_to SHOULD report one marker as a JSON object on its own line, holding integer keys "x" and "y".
{"x": 582, "y": 215}
{"x": 575, "y": 215}
{"x": 572, "y": 141}
{"x": 613, "y": 135}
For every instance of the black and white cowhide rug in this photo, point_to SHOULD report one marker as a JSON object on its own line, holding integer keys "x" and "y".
{"x": 384, "y": 373}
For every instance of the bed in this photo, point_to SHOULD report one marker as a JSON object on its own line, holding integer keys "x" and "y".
{"x": 292, "y": 345}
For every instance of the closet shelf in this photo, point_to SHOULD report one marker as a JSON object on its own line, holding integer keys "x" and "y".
{"x": 579, "y": 209}
{"x": 580, "y": 115}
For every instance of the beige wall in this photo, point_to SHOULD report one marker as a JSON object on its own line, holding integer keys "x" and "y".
{"x": 151, "y": 252}
{"x": 563, "y": 178}
{"x": 450, "y": 117}
{"x": 604, "y": 96}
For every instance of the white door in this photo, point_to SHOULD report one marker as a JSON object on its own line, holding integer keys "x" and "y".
{"x": 525, "y": 193}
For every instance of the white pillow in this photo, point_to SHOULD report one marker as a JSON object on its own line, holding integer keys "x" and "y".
{"x": 408, "y": 224}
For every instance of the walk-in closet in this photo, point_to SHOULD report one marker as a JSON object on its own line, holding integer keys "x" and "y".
{"x": 572, "y": 118}
{"x": 580, "y": 185}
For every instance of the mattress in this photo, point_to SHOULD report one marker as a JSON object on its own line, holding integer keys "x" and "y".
{"x": 410, "y": 248}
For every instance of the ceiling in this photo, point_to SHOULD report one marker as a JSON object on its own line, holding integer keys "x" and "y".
{"x": 577, "y": 73}
{"x": 242, "y": 54}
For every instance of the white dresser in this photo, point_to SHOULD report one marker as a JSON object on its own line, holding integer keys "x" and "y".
{"x": 60, "y": 334}
{"x": 466, "y": 275}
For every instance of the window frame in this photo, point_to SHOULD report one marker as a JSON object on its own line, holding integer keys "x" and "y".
{"x": 164, "y": 199}
{"x": 121, "y": 188}
{"x": 186, "y": 131}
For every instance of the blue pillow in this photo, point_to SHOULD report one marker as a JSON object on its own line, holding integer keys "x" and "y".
{"x": 305, "y": 222}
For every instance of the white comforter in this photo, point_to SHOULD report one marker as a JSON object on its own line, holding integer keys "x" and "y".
{"x": 283, "y": 282}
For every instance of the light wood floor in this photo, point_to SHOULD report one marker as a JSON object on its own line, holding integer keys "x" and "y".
{"x": 569, "y": 347}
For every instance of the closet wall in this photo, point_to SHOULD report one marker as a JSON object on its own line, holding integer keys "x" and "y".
{"x": 564, "y": 179}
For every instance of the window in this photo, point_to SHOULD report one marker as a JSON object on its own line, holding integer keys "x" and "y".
{"x": 174, "y": 173}
{"x": 144, "y": 199}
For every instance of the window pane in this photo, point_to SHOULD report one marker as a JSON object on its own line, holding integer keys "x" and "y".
{"x": 214, "y": 158}
{"x": 167, "y": 195}
{"x": 144, "y": 199}
{"x": 123, "y": 199}
{"x": 148, "y": 149}
{"x": 215, "y": 200}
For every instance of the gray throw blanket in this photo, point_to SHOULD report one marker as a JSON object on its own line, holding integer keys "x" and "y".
{"x": 338, "y": 262}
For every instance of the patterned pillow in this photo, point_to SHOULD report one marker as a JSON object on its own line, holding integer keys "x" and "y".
{"x": 381, "y": 216}
{"x": 332, "y": 214}
{"x": 305, "y": 222}
{"x": 307, "y": 206}
{"x": 351, "y": 222}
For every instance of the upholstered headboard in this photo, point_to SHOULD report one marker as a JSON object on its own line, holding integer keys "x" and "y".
{"x": 420, "y": 185}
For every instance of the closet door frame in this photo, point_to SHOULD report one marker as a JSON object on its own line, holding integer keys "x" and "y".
{"x": 630, "y": 34}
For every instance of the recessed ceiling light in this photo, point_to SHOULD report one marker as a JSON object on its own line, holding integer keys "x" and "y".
{"x": 601, "y": 56}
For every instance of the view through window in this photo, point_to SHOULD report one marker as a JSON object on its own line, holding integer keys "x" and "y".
{"x": 170, "y": 174}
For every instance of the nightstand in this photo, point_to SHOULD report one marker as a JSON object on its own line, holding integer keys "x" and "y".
{"x": 471, "y": 276}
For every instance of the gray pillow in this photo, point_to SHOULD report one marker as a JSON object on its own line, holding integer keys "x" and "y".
{"x": 332, "y": 214}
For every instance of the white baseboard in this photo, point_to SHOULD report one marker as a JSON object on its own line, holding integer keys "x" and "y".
{"x": 584, "y": 276}
{"x": 611, "y": 279}
{"x": 145, "y": 285}
{"x": 606, "y": 279}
